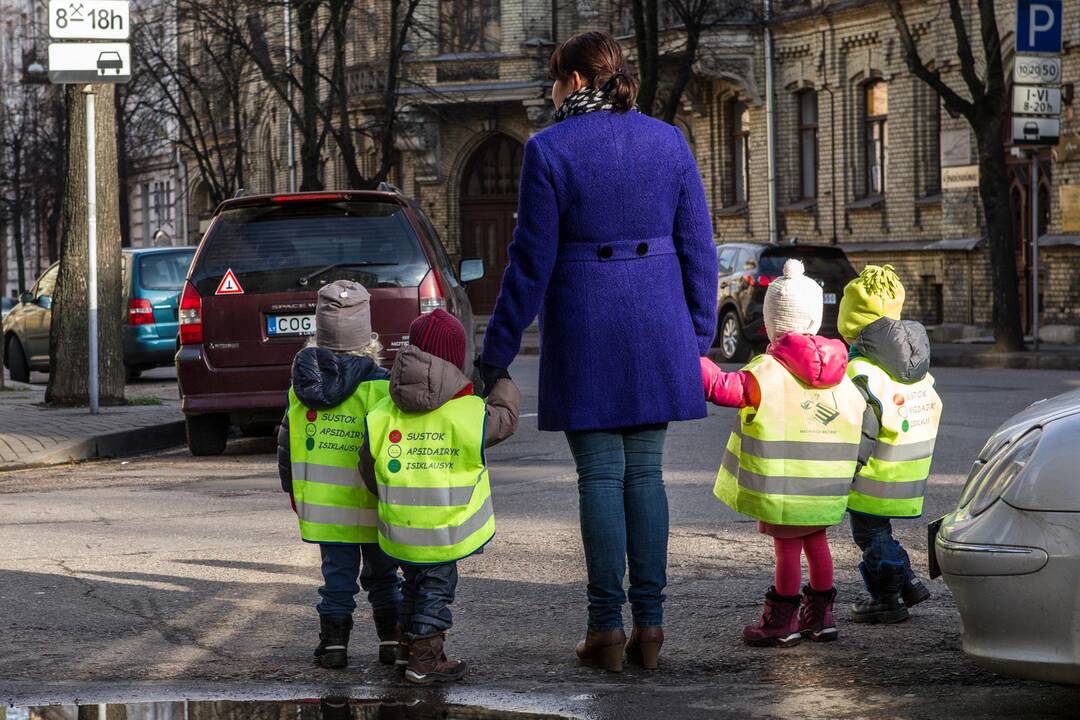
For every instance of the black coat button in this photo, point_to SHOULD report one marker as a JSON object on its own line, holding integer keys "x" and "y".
{"x": 643, "y": 249}
{"x": 606, "y": 252}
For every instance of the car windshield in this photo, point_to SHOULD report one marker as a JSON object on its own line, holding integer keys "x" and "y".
{"x": 820, "y": 263}
{"x": 269, "y": 248}
{"x": 164, "y": 270}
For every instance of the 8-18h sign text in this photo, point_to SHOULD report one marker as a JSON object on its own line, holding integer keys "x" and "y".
{"x": 89, "y": 19}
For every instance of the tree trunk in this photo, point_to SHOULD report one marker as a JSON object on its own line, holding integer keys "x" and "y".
{"x": 17, "y": 214}
{"x": 646, "y": 30}
{"x": 124, "y": 191}
{"x": 68, "y": 345}
{"x": 686, "y": 70}
{"x": 994, "y": 192}
{"x": 310, "y": 145}
{"x": 340, "y": 10}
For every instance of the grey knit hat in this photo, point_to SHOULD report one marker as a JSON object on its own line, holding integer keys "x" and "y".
{"x": 343, "y": 317}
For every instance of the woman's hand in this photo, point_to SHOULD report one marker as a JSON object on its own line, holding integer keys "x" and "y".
{"x": 489, "y": 375}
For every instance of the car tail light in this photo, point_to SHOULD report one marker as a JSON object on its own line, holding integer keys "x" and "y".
{"x": 431, "y": 292}
{"x": 140, "y": 312}
{"x": 759, "y": 280}
{"x": 190, "y": 316}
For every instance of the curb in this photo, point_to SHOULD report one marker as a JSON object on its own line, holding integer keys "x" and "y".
{"x": 1007, "y": 361}
{"x": 122, "y": 443}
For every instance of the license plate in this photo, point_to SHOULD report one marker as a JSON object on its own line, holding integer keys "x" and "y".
{"x": 283, "y": 325}
{"x": 829, "y": 298}
{"x": 932, "y": 531}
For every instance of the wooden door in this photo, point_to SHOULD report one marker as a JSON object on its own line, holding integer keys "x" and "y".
{"x": 488, "y": 213}
{"x": 1021, "y": 207}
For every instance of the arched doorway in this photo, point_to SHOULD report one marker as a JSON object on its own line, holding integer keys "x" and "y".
{"x": 489, "y": 189}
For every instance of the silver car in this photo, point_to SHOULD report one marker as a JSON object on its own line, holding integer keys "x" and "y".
{"x": 1010, "y": 552}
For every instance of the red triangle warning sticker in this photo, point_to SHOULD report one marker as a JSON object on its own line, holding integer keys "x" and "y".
{"x": 229, "y": 285}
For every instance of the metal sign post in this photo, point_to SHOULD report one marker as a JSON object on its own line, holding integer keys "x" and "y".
{"x": 91, "y": 249}
{"x": 1035, "y": 247}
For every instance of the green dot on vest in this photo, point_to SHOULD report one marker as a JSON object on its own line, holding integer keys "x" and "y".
{"x": 394, "y": 466}
{"x": 311, "y": 443}
{"x": 905, "y": 426}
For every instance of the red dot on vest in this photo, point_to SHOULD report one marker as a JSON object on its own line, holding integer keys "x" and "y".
{"x": 395, "y": 436}
{"x": 312, "y": 415}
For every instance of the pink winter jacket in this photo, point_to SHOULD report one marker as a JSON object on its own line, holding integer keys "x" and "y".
{"x": 815, "y": 360}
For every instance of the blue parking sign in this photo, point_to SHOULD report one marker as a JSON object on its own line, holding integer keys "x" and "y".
{"x": 1038, "y": 26}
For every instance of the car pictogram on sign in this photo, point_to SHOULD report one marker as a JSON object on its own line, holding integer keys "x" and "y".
{"x": 110, "y": 60}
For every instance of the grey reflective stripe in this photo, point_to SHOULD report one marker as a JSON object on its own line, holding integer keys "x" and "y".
{"x": 426, "y": 497}
{"x": 889, "y": 490}
{"x": 328, "y": 474}
{"x": 796, "y": 450}
{"x": 330, "y": 515}
{"x": 730, "y": 463}
{"x": 789, "y": 485}
{"x": 438, "y": 537}
{"x": 901, "y": 453}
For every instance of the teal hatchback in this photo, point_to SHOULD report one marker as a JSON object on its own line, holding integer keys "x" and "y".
{"x": 153, "y": 278}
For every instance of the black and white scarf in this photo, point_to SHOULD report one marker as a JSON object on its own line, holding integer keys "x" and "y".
{"x": 583, "y": 101}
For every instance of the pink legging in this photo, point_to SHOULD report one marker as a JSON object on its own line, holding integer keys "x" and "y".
{"x": 789, "y": 562}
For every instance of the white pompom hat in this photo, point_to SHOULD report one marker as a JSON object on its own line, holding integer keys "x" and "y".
{"x": 793, "y": 302}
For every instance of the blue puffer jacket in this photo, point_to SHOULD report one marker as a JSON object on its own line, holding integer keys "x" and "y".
{"x": 322, "y": 380}
{"x": 614, "y": 250}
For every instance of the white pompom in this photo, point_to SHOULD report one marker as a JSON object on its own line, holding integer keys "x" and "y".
{"x": 794, "y": 268}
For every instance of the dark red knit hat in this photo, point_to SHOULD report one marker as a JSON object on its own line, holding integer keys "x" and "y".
{"x": 440, "y": 334}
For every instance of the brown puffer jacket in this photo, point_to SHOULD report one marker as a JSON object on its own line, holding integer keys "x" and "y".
{"x": 421, "y": 382}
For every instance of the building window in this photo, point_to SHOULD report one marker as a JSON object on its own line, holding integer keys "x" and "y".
{"x": 808, "y": 144}
{"x": 931, "y": 156}
{"x": 469, "y": 26}
{"x": 739, "y": 151}
{"x": 876, "y": 134}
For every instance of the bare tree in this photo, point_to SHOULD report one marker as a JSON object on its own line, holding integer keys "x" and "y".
{"x": 986, "y": 111}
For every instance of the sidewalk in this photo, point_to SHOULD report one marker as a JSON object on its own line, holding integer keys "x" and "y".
{"x": 33, "y": 435}
{"x": 983, "y": 355}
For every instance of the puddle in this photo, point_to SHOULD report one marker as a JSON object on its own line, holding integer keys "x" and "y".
{"x": 328, "y": 708}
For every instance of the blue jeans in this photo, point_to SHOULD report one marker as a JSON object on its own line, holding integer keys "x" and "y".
{"x": 341, "y": 566}
{"x": 624, "y": 517}
{"x": 874, "y": 537}
{"x": 429, "y": 591}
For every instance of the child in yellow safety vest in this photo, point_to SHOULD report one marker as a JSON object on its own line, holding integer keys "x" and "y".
{"x": 424, "y": 459}
{"x": 334, "y": 380}
{"x": 888, "y": 362}
{"x": 789, "y": 461}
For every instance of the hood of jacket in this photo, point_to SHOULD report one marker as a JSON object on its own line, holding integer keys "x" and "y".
{"x": 322, "y": 379}
{"x": 901, "y": 347}
{"x": 421, "y": 382}
{"x": 817, "y": 361}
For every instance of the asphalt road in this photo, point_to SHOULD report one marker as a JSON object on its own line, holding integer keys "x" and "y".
{"x": 168, "y": 576}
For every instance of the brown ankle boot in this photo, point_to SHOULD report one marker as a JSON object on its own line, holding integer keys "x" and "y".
{"x": 602, "y": 648}
{"x": 428, "y": 663}
{"x": 643, "y": 647}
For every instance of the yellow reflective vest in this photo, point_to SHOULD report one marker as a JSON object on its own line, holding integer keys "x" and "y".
{"x": 434, "y": 490}
{"x": 790, "y": 461}
{"x": 892, "y": 483}
{"x": 332, "y": 503}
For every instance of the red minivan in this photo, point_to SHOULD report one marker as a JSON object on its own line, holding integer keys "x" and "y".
{"x": 249, "y": 302}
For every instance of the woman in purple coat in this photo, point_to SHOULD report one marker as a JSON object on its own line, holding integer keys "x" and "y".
{"x": 613, "y": 250}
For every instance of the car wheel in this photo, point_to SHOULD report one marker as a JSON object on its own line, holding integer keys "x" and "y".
{"x": 732, "y": 342}
{"x": 207, "y": 434}
{"x": 132, "y": 373}
{"x": 16, "y": 361}
{"x": 255, "y": 430}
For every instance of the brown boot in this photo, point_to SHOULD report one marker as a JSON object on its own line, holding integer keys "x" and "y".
{"x": 428, "y": 663}
{"x": 643, "y": 647}
{"x": 602, "y": 648}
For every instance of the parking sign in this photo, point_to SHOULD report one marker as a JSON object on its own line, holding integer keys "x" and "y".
{"x": 1038, "y": 26}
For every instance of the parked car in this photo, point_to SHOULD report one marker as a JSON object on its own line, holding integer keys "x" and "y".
{"x": 153, "y": 278}
{"x": 745, "y": 271}
{"x": 249, "y": 302}
{"x": 1010, "y": 552}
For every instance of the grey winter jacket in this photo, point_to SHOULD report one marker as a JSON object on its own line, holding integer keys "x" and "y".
{"x": 420, "y": 382}
{"x": 322, "y": 380}
{"x": 900, "y": 348}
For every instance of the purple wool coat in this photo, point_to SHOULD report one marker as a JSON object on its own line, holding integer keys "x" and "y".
{"x": 614, "y": 250}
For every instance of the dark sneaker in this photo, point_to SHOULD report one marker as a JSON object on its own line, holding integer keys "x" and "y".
{"x": 333, "y": 649}
{"x": 914, "y": 592}
{"x": 428, "y": 664}
{"x": 884, "y": 604}
{"x": 389, "y": 631}
{"x": 816, "y": 620}
{"x": 779, "y": 623}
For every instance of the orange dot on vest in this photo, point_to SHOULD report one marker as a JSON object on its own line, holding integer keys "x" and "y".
{"x": 898, "y": 399}
{"x": 395, "y": 436}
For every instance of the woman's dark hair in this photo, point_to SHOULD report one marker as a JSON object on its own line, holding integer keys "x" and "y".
{"x": 598, "y": 58}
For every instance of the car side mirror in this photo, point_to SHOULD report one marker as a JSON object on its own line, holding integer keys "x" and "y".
{"x": 45, "y": 302}
{"x": 471, "y": 269}
{"x": 26, "y": 297}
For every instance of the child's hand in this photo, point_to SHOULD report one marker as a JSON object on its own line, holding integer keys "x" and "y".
{"x": 728, "y": 389}
{"x": 710, "y": 375}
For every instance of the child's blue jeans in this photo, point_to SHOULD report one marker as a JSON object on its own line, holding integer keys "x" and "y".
{"x": 874, "y": 537}
{"x": 342, "y": 566}
{"x": 429, "y": 590}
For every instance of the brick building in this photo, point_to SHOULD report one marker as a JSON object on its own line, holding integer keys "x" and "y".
{"x": 859, "y": 141}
